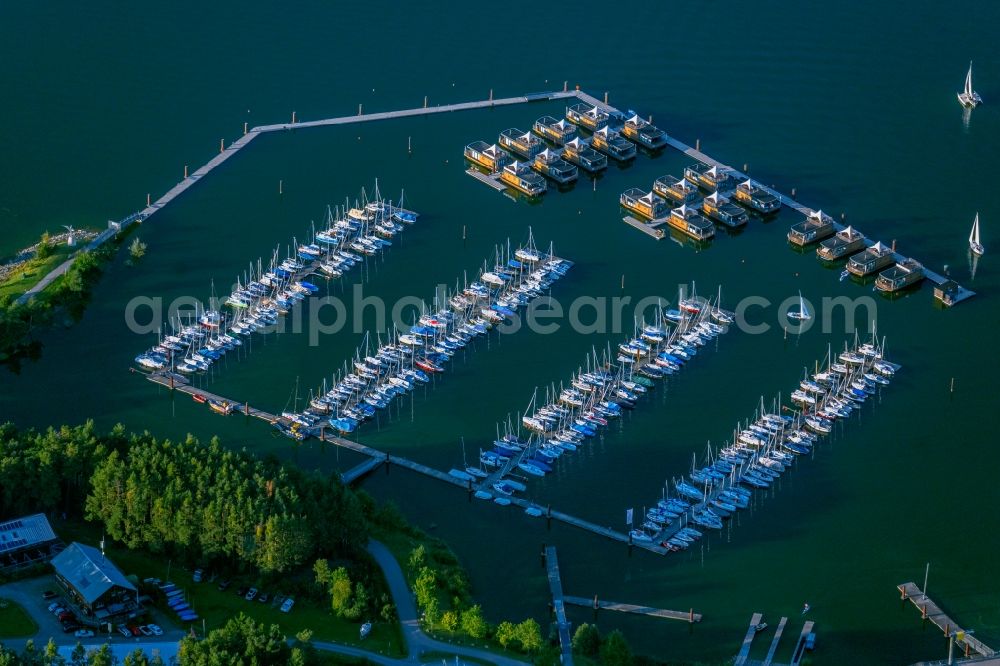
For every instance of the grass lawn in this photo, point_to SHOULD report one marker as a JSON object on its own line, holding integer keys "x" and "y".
{"x": 216, "y": 606}
{"x": 15, "y": 621}
{"x": 33, "y": 271}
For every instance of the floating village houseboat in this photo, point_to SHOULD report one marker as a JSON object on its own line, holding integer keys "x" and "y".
{"x": 815, "y": 227}
{"x": 755, "y": 197}
{"x": 586, "y": 116}
{"x": 579, "y": 152}
{"x": 644, "y": 204}
{"x": 613, "y": 144}
{"x": 874, "y": 259}
{"x": 904, "y": 274}
{"x": 523, "y": 144}
{"x": 676, "y": 190}
{"x": 947, "y": 292}
{"x": 520, "y": 176}
{"x": 720, "y": 209}
{"x": 488, "y": 156}
{"x": 706, "y": 177}
{"x": 643, "y": 133}
{"x": 690, "y": 222}
{"x": 551, "y": 165}
{"x": 844, "y": 243}
{"x": 558, "y": 132}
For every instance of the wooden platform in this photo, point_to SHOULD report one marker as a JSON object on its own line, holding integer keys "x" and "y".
{"x": 931, "y": 611}
{"x": 744, "y": 653}
{"x": 491, "y": 180}
{"x": 649, "y": 228}
{"x": 686, "y": 616}
{"x": 774, "y": 642}
{"x": 555, "y": 587}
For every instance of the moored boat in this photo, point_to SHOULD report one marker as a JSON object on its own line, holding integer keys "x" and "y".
{"x": 644, "y": 133}
{"x": 874, "y": 259}
{"x": 613, "y": 144}
{"x": 674, "y": 189}
{"x": 720, "y": 209}
{"x": 579, "y": 152}
{"x": 524, "y": 144}
{"x": 844, "y": 243}
{"x": 688, "y": 221}
{"x": 558, "y": 132}
{"x": 551, "y": 165}
{"x": 587, "y": 116}
{"x": 706, "y": 177}
{"x": 645, "y": 204}
{"x": 904, "y": 274}
{"x": 815, "y": 227}
{"x": 757, "y": 198}
{"x": 520, "y": 176}
{"x": 488, "y": 156}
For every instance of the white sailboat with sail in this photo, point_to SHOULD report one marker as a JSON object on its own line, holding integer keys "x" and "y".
{"x": 974, "y": 244}
{"x": 802, "y": 314}
{"x": 969, "y": 98}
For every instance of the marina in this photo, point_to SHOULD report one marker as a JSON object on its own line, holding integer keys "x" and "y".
{"x": 764, "y": 448}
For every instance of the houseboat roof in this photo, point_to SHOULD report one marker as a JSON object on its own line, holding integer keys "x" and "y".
{"x": 849, "y": 234}
{"x": 874, "y": 252}
{"x": 491, "y": 150}
{"x": 716, "y": 198}
{"x": 514, "y": 133}
{"x": 819, "y": 216}
{"x": 902, "y": 269}
{"x": 548, "y": 155}
{"x": 578, "y": 143}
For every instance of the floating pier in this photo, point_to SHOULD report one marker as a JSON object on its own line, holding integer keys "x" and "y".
{"x": 774, "y": 642}
{"x": 558, "y": 604}
{"x": 800, "y": 646}
{"x": 744, "y": 653}
{"x": 931, "y": 611}
{"x": 651, "y": 228}
{"x": 492, "y": 180}
{"x": 597, "y": 604}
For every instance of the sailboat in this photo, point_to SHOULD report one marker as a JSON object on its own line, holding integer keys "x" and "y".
{"x": 969, "y": 98}
{"x": 803, "y": 312}
{"x": 974, "y": 244}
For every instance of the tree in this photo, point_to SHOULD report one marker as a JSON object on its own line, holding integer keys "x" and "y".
{"x": 473, "y": 622}
{"x": 52, "y": 656}
{"x": 425, "y": 586}
{"x": 506, "y": 633}
{"x": 449, "y": 620}
{"x": 615, "y": 650}
{"x": 136, "y": 658}
{"x": 137, "y": 249}
{"x": 240, "y": 641}
{"x": 530, "y": 635}
{"x": 340, "y": 591}
{"x": 432, "y": 611}
{"x": 45, "y": 247}
{"x": 587, "y": 640}
{"x": 418, "y": 560}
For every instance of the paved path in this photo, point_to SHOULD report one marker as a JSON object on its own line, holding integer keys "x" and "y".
{"x": 417, "y": 642}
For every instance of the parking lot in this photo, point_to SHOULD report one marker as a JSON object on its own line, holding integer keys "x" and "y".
{"x": 29, "y": 594}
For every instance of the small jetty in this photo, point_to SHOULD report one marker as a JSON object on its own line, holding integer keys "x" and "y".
{"x": 744, "y": 653}
{"x": 492, "y": 180}
{"x": 651, "y": 228}
{"x": 558, "y": 605}
{"x": 599, "y": 604}
{"x": 774, "y": 642}
{"x": 929, "y": 610}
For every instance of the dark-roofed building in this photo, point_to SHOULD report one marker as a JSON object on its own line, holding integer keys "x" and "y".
{"x": 93, "y": 583}
{"x": 26, "y": 541}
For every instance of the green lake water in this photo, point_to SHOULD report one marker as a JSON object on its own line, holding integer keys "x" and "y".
{"x": 852, "y": 105}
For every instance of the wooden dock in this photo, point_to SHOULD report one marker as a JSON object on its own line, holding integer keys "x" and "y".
{"x": 649, "y": 228}
{"x": 558, "y": 604}
{"x": 181, "y": 383}
{"x": 786, "y": 200}
{"x": 492, "y": 180}
{"x": 800, "y": 646}
{"x": 931, "y": 611}
{"x": 774, "y": 642}
{"x": 744, "y": 652}
{"x": 597, "y": 604}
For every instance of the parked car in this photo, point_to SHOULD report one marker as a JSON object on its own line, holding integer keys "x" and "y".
{"x": 198, "y": 575}
{"x": 242, "y": 591}
{"x": 263, "y": 598}
{"x": 84, "y": 633}
{"x": 144, "y": 630}
{"x": 66, "y": 615}
{"x": 70, "y": 627}
{"x": 134, "y": 630}
{"x": 251, "y": 593}
{"x": 124, "y": 631}
{"x": 277, "y": 600}
{"x": 49, "y": 594}
{"x": 54, "y": 605}
{"x": 287, "y": 605}
{"x": 152, "y": 581}
{"x": 155, "y": 629}
{"x": 225, "y": 584}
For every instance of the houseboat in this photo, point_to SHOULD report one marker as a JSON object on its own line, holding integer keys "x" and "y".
{"x": 520, "y": 176}
{"x": 720, "y": 209}
{"x": 586, "y": 116}
{"x": 872, "y": 260}
{"x": 815, "y": 227}
{"x": 613, "y": 144}
{"x": 487, "y": 156}
{"x": 706, "y": 177}
{"x": 579, "y": 152}
{"x": 551, "y": 165}
{"x": 755, "y": 197}
{"x": 558, "y": 132}
{"x": 947, "y": 292}
{"x": 524, "y": 144}
{"x": 904, "y": 274}
{"x": 676, "y": 190}
{"x": 690, "y": 222}
{"x": 643, "y": 133}
{"x": 645, "y": 204}
{"x": 844, "y": 243}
